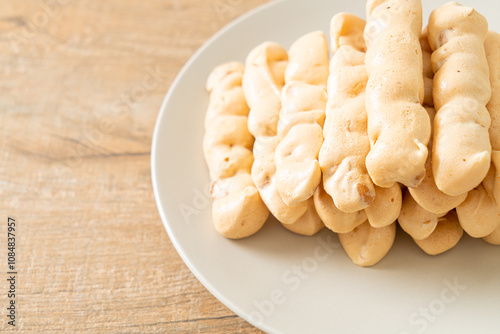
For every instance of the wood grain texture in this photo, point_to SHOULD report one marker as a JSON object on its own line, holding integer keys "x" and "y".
{"x": 82, "y": 83}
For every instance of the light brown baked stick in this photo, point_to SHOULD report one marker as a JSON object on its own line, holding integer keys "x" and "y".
{"x": 494, "y": 237}
{"x": 492, "y": 47}
{"x": 478, "y": 214}
{"x": 262, "y": 83}
{"x": 334, "y": 219}
{"x": 461, "y": 145}
{"x": 415, "y": 220}
{"x": 300, "y": 132}
{"x": 300, "y": 128}
{"x": 398, "y": 125}
{"x": 237, "y": 209}
{"x": 446, "y": 235}
{"x": 386, "y": 207}
{"x": 366, "y": 245}
{"x": 427, "y": 194}
{"x": 346, "y": 144}
{"x": 309, "y": 224}
{"x": 492, "y": 181}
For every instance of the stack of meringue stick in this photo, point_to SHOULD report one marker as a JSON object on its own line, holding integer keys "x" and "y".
{"x": 401, "y": 124}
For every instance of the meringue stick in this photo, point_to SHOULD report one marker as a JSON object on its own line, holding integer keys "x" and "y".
{"x": 309, "y": 224}
{"x": 398, "y": 126}
{"x": 332, "y": 217}
{"x": 445, "y": 236}
{"x": 415, "y": 220}
{"x": 492, "y": 47}
{"x": 461, "y": 145}
{"x": 386, "y": 207}
{"x": 478, "y": 214}
{"x": 262, "y": 82}
{"x": 492, "y": 181}
{"x": 301, "y": 119}
{"x": 427, "y": 194}
{"x": 366, "y": 245}
{"x": 346, "y": 144}
{"x": 237, "y": 209}
{"x": 494, "y": 237}
{"x": 382, "y": 212}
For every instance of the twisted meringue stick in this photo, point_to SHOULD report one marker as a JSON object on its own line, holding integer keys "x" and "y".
{"x": 492, "y": 184}
{"x": 300, "y": 128}
{"x": 494, "y": 237}
{"x": 398, "y": 126}
{"x": 343, "y": 30}
{"x": 353, "y": 210}
{"x": 262, "y": 83}
{"x": 302, "y": 115}
{"x": 346, "y": 144}
{"x": 444, "y": 237}
{"x": 415, "y": 220}
{"x": 461, "y": 145}
{"x": 426, "y": 212}
{"x": 332, "y": 217}
{"x": 427, "y": 194}
{"x": 237, "y": 210}
{"x": 366, "y": 245}
{"x": 479, "y": 214}
{"x": 370, "y": 241}
{"x": 492, "y": 47}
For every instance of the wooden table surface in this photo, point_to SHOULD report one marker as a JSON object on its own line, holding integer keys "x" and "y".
{"x": 82, "y": 83}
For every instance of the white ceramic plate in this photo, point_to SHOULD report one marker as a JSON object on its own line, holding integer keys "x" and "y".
{"x": 285, "y": 283}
